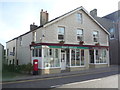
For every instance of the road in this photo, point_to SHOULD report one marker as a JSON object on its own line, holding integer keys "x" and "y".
{"x": 110, "y": 78}
{"x": 106, "y": 82}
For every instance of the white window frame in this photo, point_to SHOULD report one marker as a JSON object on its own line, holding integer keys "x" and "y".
{"x": 79, "y": 17}
{"x": 99, "y": 60}
{"x": 34, "y": 36}
{"x": 80, "y": 35}
{"x": 75, "y": 58}
{"x": 48, "y": 57}
{"x": 21, "y": 41}
{"x": 96, "y": 36}
{"x": 60, "y": 34}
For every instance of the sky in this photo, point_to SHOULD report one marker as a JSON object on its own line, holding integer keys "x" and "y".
{"x": 17, "y": 15}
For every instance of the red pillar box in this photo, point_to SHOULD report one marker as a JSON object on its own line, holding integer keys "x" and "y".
{"x": 35, "y": 67}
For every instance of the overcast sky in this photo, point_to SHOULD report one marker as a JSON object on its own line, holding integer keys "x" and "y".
{"x": 17, "y": 15}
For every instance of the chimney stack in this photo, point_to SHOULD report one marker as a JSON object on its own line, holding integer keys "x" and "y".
{"x": 33, "y": 26}
{"x": 93, "y": 12}
{"x": 43, "y": 17}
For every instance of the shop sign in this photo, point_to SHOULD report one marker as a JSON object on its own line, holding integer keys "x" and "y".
{"x": 70, "y": 47}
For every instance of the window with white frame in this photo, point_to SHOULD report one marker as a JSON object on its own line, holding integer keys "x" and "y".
{"x": 20, "y": 40}
{"x": 51, "y": 57}
{"x": 79, "y": 17}
{"x": 98, "y": 56}
{"x": 79, "y": 34}
{"x": 95, "y": 36}
{"x": 61, "y": 33}
{"x": 77, "y": 57}
{"x": 37, "y": 52}
{"x": 34, "y": 36}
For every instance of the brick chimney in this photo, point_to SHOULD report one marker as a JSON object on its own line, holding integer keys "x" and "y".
{"x": 33, "y": 26}
{"x": 93, "y": 12}
{"x": 43, "y": 17}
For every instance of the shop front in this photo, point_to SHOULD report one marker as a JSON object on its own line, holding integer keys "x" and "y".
{"x": 57, "y": 59}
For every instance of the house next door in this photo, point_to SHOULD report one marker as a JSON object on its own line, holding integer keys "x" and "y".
{"x": 63, "y": 61}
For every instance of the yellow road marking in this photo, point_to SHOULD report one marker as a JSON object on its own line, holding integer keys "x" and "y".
{"x": 11, "y": 82}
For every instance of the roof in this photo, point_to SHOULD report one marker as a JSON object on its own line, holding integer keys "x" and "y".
{"x": 63, "y": 16}
{"x": 114, "y": 16}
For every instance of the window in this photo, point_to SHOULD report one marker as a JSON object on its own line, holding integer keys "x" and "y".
{"x": 34, "y": 36}
{"x": 79, "y": 17}
{"x": 51, "y": 57}
{"x": 7, "y": 52}
{"x": 13, "y": 51}
{"x": 20, "y": 40}
{"x": 91, "y": 53}
{"x": 100, "y": 56}
{"x": 97, "y": 56}
{"x": 77, "y": 57}
{"x": 37, "y": 52}
{"x": 95, "y": 36}
{"x": 112, "y": 33}
{"x": 79, "y": 35}
{"x": 61, "y": 32}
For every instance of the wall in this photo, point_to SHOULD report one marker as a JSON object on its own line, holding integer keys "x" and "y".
{"x": 71, "y": 24}
{"x": 23, "y": 51}
{"x": 10, "y": 45}
{"x": 1, "y": 56}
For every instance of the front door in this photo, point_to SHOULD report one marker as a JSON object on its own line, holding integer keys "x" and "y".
{"x": 63, "y": 61}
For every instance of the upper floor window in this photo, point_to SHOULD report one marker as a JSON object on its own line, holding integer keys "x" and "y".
{"x": 112, "y": 33}
{"x": 61, "y": 33}
{"x": 95, "y": 36}
{"x": 7, "y": 52}
{"x": 13, "y": 51}
{"x": 34, "y": 36}
{"x": 79, "y": 17}
{"x": 79, "y": 35}
{"x": 20, "y": 41}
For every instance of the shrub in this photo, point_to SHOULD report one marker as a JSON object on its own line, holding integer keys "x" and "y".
{"x": 24, "y": 68}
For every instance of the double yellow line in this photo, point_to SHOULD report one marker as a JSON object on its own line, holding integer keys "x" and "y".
{"x": 22, "y": 81}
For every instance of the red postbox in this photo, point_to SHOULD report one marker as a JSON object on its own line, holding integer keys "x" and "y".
{"x": 35, "y": 67}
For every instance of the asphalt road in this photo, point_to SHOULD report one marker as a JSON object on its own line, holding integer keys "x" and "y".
{"x": 104, "y": 82}
{"x": 55, "y": 82}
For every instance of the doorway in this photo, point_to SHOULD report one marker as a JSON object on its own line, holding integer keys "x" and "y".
{"x": 63, "y": 61}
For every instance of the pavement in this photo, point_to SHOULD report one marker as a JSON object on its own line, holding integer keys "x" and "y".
{"x": 82, "y": 72}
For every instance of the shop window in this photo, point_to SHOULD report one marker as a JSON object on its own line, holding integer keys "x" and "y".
{"x": 77, "y": 57}
{"x": 95, "y": 36}
{"x": 40, "y": 52}
{"x": 79, "y": 35}
{"x": 91, "y": 52}
{"x": 36, "y": 52}
{"x": 72, "y": 57}
{"x": 100, "y": 55}
{"x": 61, "y": 33}
{"x": 51, "y": 58}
